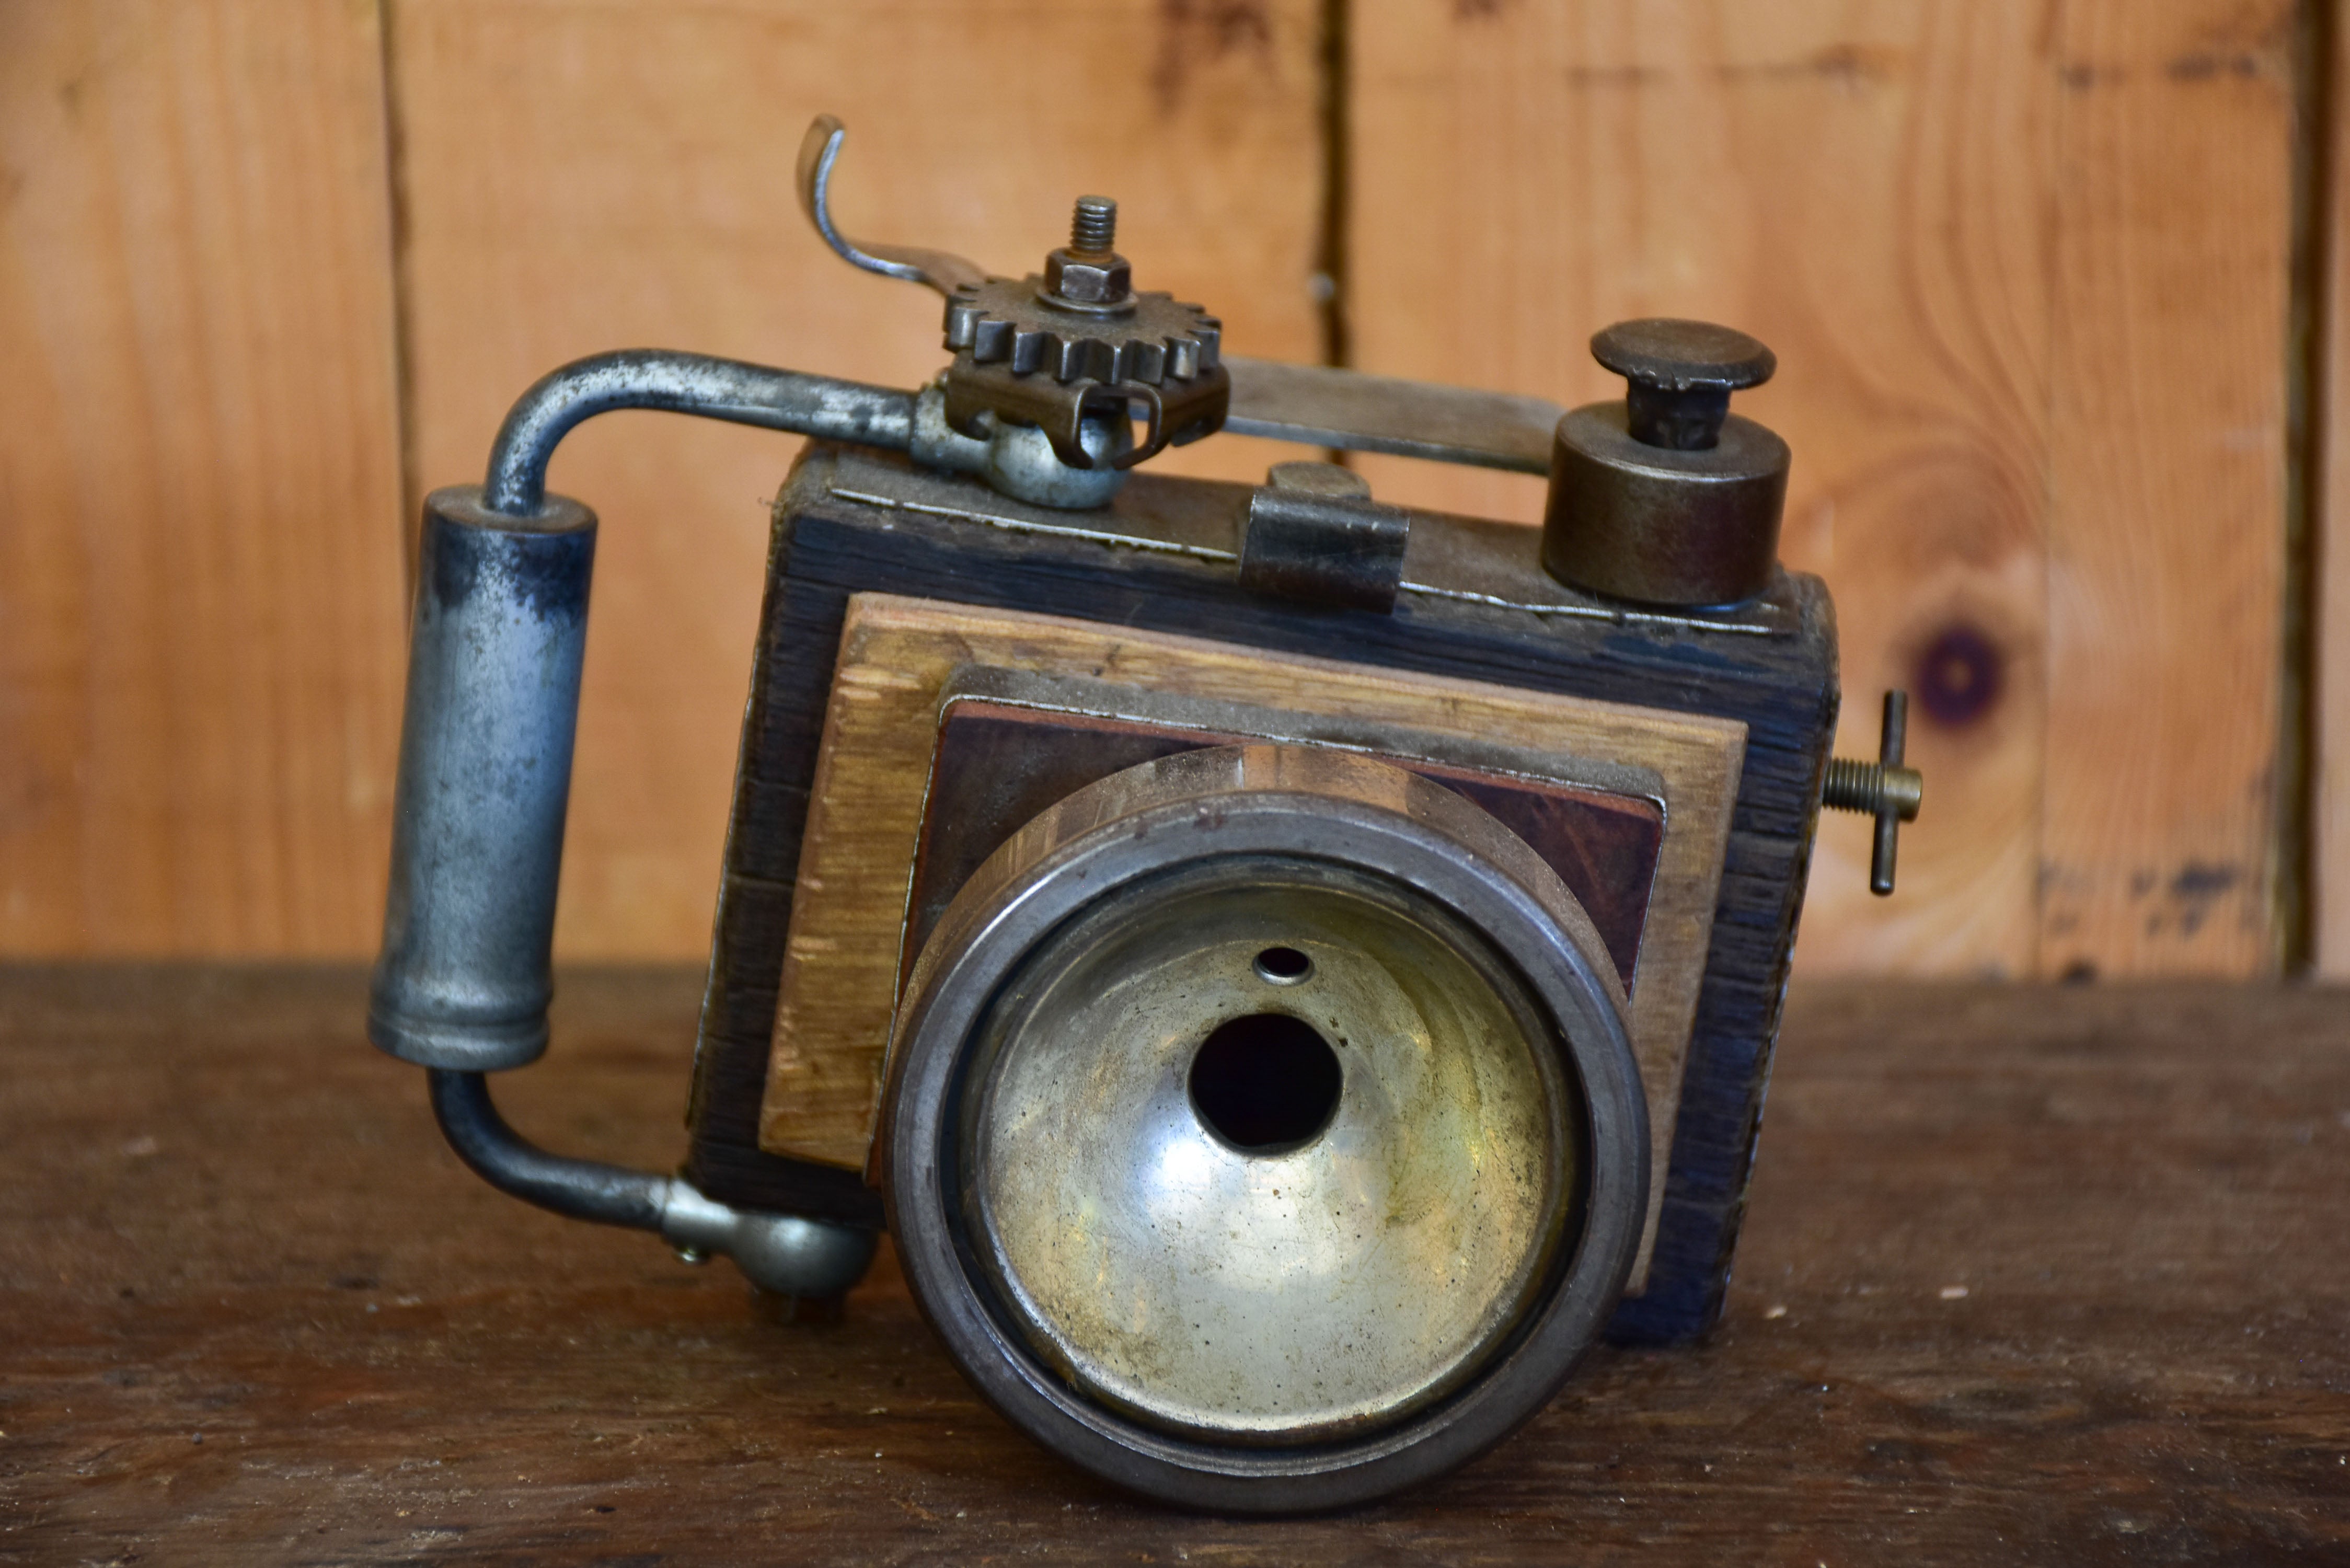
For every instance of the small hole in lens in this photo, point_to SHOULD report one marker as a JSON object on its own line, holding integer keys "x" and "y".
{"x": 1284, "y": 966}
{"x": 1266, "y": 1082}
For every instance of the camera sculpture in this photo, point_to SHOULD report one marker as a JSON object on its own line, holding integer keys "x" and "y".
{"x": 1290, "y": 972}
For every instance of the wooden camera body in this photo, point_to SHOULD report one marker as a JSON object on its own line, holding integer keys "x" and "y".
{"x": 1687, "y": 758}
{"x": 1289, "y": 970}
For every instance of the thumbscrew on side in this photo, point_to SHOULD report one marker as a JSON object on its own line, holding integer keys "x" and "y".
{"x": 1883, "y": 789}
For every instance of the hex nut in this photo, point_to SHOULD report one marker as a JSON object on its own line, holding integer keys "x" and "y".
{"x": 1088, "y": 280}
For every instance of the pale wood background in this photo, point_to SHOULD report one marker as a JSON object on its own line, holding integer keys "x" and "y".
{"x": 268, "y": 268}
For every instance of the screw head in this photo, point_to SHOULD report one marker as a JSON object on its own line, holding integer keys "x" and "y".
{"x": 1670, "y": 355}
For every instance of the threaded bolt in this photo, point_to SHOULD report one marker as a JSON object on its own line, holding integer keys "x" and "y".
{"x": 1871, "y": 787}
{"x": 1883, "y": 789}
{"x": 1093, "y": 230}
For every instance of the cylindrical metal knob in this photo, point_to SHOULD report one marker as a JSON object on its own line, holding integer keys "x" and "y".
{"x": 484, "y": 775}
{"x": 1666, "y": 497}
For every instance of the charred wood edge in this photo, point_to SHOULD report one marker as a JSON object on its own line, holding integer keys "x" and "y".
{"x": 825, "y": 549}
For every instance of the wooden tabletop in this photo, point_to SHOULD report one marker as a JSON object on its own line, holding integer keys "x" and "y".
{"x": 2055, "y": 1275}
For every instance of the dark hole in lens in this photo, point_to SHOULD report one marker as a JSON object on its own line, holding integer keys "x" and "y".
{"x": 1281, "y": 965}
{"x": 1266, "y": 1082}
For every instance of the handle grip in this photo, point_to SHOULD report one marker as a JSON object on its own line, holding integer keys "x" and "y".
{"x": 501, "y": 627}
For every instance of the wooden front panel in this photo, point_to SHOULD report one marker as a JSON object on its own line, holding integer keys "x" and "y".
{"x": 995, "y": 767}
{"x": 838, "y": 987}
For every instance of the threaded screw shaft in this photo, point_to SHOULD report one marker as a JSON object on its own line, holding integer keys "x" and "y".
{"x": 1870, "y": 788}
{"x": 1093, "y": 230}
{"x": 1853, "y": 785}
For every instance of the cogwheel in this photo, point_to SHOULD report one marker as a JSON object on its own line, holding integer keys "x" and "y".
{"x": 1018, "y": 323}
{"x": 1078, "y": 343}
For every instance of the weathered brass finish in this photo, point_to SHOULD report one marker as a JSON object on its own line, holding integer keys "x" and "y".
{"x": 1666, "y": 497}
{"x": 1399, "y": 1247}
{"x": 1339, "y": 1283}
{"x": 1663, "y": 525}
{"x": 1883, "y": 789}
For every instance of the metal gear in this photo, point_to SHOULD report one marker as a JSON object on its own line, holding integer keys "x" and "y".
{"x": 1076, "y": 342}
{"x": 1011, "y": 321}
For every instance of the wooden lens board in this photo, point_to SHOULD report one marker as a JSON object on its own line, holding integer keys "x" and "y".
{"x": 897, "y": 659}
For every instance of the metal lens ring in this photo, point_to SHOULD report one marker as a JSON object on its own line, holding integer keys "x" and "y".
{"x": 1445, "y": 1077}
{"x": 1264, "y": 1216}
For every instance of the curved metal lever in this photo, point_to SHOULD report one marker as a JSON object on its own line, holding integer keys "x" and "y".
{"x": 942, "y": 270}
{"x": 1315, "y": 404}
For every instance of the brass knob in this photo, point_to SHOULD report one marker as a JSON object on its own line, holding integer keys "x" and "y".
{"x": 1883, "y": 789}
{"x": 1666, "y": 497}
{"x": 1679, "y": 376}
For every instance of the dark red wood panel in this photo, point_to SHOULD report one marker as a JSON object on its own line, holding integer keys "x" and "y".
{"x": 997, "y": 766}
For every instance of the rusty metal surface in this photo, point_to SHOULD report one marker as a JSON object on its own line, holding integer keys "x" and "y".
{"x": 1667, "y": 498}
{"x": 1448, "y": 559}
{"x": 1320, "y": 406}
{"x": 1663, "y": 525}
{"x": 1313, "y": 535}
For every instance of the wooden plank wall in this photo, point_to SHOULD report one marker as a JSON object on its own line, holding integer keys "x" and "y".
{"x": 578, "y": 177}
{"x": 2026, "y": 263}
{"x": 2330, "y": 487}
{"x": 201, "y": 604}
{"x": 2025, "y": 267}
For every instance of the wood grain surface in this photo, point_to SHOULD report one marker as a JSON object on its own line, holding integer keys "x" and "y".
{"x": 585, "y": 175}
{"x": 840, "y": 969}
{"x": 201, "y": 599}
{"x": 2329, "y": 410}
{"x": 2025, "y": 267}
{"x": 257, "y": 1313}
{"x": 2174, "y": 160}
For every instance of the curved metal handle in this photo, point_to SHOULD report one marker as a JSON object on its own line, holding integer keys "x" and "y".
{"x": 777, "y": 1252}
{"x": 493, "y": 705}
{"x": 941, "y": 270}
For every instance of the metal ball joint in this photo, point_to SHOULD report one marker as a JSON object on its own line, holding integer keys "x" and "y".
{"x": 1666, "y": 497}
